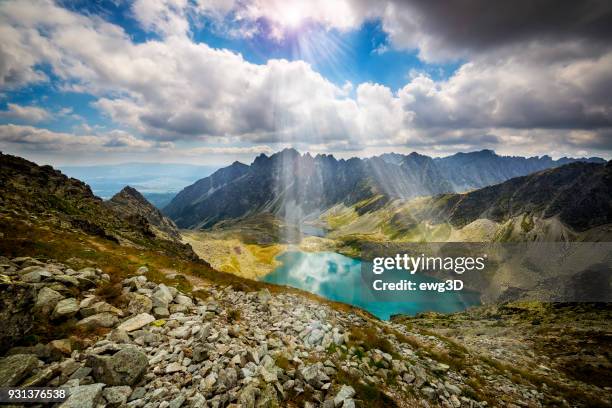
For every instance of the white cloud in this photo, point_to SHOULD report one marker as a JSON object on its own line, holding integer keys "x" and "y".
{"x": 174, "y": 89}
{"x": 26, "y": 113}
{"x": 39, "y": 139}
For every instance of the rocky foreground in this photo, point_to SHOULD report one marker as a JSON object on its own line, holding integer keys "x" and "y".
{"x": 143, "y": 344}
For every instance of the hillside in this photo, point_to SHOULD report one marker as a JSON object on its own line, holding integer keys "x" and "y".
{"x": 569, "y": 203}
{"x": 97, "y": 304}
{"x": 41, "y": 194}
{"x": 296, "y": 187}
{"x": 131, "y": 206}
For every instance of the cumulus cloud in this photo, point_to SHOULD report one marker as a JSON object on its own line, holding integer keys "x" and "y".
{"x": 528, "y": 78}
{"x": 39, "y": 139}
{"x": 26, "y": 113}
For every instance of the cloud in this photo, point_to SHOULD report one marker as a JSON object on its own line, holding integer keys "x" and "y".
{"x": 39, "y": 139}
{"x": 31, "y": 114}
{"x": 541, "y": 80}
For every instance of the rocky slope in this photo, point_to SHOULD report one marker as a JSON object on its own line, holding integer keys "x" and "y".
{"x": 45, "y": 195}
{"x": 568, "y": 203}
{"x": 294, "y": 186}
{"x": 151, "y": 345}
{"x": 131, "y": 206}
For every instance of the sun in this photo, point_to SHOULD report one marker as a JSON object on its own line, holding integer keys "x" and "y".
{"x": 291, "y": 14}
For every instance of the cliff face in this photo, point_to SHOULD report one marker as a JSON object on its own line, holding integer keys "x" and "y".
{"x": 131, "y": 206}
{"x": 294, "y": 186}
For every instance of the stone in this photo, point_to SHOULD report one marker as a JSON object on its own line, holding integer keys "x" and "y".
{"x": 138, "y": 393}
{"x": 15, "y": 368}
{"x": 268, "y": 398}
{"x": 268, "y": 375}
{"x": 247, "y": 396}
{"x": 200, "y": 353}
{"x": 117, "y": 396}
{"x": 174, "y": 368}
{"x": 162, "y": 296}
{"x": 264, "y": 296}
{"x": 177, "y": 402}
{"x": 119, "y": 336}
{"x": 125, "y": 367}
{"x": 181, "y": 332}
{"x": 161, "y": 312}
{"x": 349, "y": 403}
{"x": 453, "y": 389}
{"x": 46, "y": 300}
{"x": 84, "y": 396}
{"x": 64, "y": 346}
{"x": 429, "y": 392}
{"x": 139, "y": 304}
{"x": 345, "y": 393}
{"x": 142, "y": 270}
{"x": 65, "y": 308}
{"x": 183, "y": 300}
{"x": 98, "y": 320}
{"x": 100, "y": 307}
{"x": 136, "y": 322}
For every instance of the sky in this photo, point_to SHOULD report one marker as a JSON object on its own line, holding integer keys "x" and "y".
{"x": 213, "y": 81}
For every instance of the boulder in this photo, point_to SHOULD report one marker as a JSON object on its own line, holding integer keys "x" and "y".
{"x": 136, "y": 322}
{"x": 84, "y": 396}
{"x": 268, "y": 398}
{"x": 65, "y": 308}
{"x": 117, "y": 396}
{"x": 15, "y": 368}
{"x": 63, "y": 346}
{"x": 139, "y": 304}
{"x": 125, "y": 367}
{"x": 46, "y": 300}
{"x": 100, "y": 307}
{"x": 346, "y": 392}
{"x": 98, "y": 320}
{"x": 162, "y": 296}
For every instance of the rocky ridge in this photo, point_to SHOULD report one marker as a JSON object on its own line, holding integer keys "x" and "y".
{"x": 131, "y": 206}
{"x": 150, "y": 345}
{"x": 294, "y": 186}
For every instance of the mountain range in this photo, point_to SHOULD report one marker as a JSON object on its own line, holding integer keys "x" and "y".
{"x": 297, "y": 187}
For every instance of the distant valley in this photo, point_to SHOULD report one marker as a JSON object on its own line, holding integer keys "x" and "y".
{"x": 157, "y": 182}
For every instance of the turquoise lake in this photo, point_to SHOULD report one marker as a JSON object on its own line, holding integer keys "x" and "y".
{"x": 338, "y": 278}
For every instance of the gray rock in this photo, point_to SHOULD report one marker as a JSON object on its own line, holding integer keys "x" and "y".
{"x": 162, "y": 296}
{"x": 125, "y": 367}
{"x": 15, "y": 368}
{"x": 183, "y": 300}
{"x": 98, "y": 320}
{"x": 349, "y": 403}
{"x": 139, "y": 304}
{"x": 65, "y": 308}
{"x": 142, "y": 270}
{"x": 136, "y": 322}
{"x": 429, "y": 392}
{"x": 116, "y": 396}
{"x": 46, "y": 300}
{"x": 453, "y": 389}
{"x": 268, "y": 398}
{"x": 177, "y": 402}
{"x": 345, "y": 393}
{"x": 119, "y": 336}
{"x": 161, "y": 312}
{"x": 84, "y": 396}
{"x": 100, "y": 307}
{"x": 247, "y": 396}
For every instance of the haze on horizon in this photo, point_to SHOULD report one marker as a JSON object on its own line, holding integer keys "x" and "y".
{"x": 213, "y": 81}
